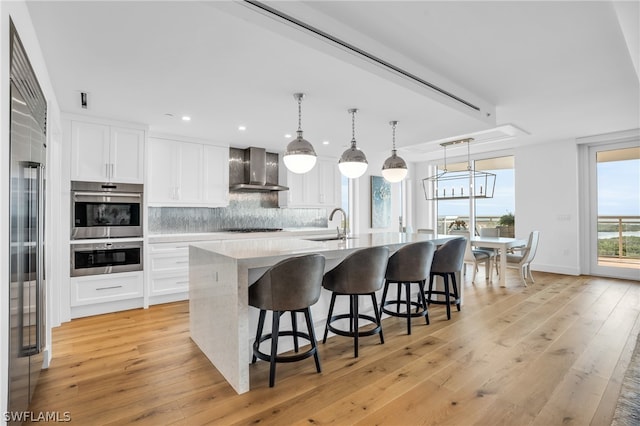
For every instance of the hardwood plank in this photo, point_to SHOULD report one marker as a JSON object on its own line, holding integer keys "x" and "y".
{"x": 553, "y": 352}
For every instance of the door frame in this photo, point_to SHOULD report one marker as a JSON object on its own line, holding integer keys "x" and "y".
{"x": 588, "y": 148}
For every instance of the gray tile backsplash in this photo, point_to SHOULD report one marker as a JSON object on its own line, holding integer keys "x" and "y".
{"x": 245, "y": 210}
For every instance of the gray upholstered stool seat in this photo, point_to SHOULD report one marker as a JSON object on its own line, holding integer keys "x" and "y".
{"x": 447, "y": 260}
{"x": 292, "y": 285}
{"x": 410, "y": 264}
{"x": 360, "y": 273}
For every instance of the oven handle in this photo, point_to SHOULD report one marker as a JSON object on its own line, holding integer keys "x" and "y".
{"x": 106, "y": 194}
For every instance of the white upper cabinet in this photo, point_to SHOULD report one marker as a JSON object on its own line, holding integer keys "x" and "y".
{"x": 103, "y": 153}
{"x": 319, "y": 187}
{"x": 187, "y": 174}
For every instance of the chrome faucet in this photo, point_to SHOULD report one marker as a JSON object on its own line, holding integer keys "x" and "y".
{"x": 341, "y": 235}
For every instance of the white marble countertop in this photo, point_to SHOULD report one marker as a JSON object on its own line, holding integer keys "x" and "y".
{"x": 249, "y": 249}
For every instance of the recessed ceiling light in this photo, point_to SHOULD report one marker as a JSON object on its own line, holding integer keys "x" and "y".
{"x": 186, "y": 118}
{"x": 325, "y": 142}
{"x": 242, "y": 128}
{"x": 287, "y": 135}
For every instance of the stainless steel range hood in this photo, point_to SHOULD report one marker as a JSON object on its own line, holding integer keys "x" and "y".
{"x": 253, "y": 169}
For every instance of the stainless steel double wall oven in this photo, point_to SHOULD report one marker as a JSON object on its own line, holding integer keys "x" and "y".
{"x": 111, "y": 211}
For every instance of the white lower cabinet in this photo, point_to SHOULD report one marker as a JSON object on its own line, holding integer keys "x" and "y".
{"x": 168, "y": 272}
{"x": 99, "y": 294}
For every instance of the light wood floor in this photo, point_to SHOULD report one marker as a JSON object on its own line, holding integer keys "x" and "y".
{"x": 553, "y": 353}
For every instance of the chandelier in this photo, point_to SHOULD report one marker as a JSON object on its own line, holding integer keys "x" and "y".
{"x": 459, "y": 185}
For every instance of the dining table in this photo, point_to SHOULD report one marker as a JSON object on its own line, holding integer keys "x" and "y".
{"x": 502, "y": 244}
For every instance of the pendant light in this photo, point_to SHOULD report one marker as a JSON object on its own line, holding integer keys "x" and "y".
{"x": 299, "y": 156}
{"x": 394, "y": 168}
{"x": 353, "y": 162}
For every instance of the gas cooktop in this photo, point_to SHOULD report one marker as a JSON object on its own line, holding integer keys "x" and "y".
{"x": 253, "y": 230}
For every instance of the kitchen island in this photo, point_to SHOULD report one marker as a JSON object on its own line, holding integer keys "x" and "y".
{"x": 219, "y": 277}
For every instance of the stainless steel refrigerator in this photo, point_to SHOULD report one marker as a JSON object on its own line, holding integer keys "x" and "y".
{"x": 27, "y": 207}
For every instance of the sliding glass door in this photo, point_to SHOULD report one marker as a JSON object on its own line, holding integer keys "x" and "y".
{"x": 615, "y": 210}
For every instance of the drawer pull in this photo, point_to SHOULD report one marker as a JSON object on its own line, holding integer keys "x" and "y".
{"x": 182, "y": 282}
{"x": 109, "y": 288}
{"x": 182, "y": 261}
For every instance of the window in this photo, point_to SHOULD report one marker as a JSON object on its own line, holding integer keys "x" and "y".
{"x": 488, "y": 211}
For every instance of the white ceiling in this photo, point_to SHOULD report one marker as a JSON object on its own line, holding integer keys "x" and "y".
{"x": 555, "y": 70}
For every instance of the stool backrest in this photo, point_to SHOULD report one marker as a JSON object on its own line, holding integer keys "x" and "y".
{"x": 449, "y": 257}
{"x": 361, "y": 272}
{"x": 290, "y": 284}
{"x": 411, "y": 262}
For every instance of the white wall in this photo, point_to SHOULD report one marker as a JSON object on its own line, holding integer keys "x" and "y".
{"x": 547, "y": 187}
{"x": 17, "y": 11}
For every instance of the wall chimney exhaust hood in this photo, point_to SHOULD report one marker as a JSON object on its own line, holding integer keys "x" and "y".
{"x": 253, "y": 169}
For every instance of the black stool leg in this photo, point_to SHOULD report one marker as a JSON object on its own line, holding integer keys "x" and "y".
{"x": 326, "y": 327}
{"x": 446, "y": 295}
{"x": 407, "y": 287}
{"x": 256, "y": 343}
{"x": 421, "y": 297}
{"x": 294, "y": 328}
{"x": 354, "y": 321}
{"x": 455, "y": 291}
{"x": 275, "y": 329}
{"x": 312, "y": 335}
{"x": 375, "y": 310}
{"x": 430, "y": 289}
{"x": 384, "y": 296}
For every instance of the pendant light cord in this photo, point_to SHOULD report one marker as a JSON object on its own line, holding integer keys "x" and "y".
{"x": 300, "y": 114}
{"x": 394, "y": 137}
{"x": 353, "y": 126}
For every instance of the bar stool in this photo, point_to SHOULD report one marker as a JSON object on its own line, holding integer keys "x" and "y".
{"x": 360, "y": 273}
{"x": 447, "y": 260}
{"x": 410, "y": 264}
{"x": 292, "y": 285}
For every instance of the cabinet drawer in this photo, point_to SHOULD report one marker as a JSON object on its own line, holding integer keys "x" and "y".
{"x": 169, "y": 262}
{"x": 175, "y": 248}
{"x": 106, "y": 288}
{"x": 169, "y": 283}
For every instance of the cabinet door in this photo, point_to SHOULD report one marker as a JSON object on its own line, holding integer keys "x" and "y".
{"x": 317, "y": 188}
{"x": 127, "y": 155}
{"x": 329, "y": 182}
{"x": 296, "y": 196}
{"x": 216, "y": 176}
{"x": 190, "y": 172}
{"x": 89, "y": 152}
{"x": 162, "y": 186}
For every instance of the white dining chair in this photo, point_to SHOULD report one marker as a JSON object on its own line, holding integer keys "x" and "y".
{"x": 523, "y": 256}
{"x": 490, "y": 232}
{"x": 474, "y": 257}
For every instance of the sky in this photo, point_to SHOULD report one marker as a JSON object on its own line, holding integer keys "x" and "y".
{"x": 619, "y": 188}
{"x": 503, "y": 200}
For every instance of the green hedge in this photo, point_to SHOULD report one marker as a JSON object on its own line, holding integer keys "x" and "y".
{"x": 610, "y": 247}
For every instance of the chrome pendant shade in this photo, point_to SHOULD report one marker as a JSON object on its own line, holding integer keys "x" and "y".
{"x": 394, "y": 168}
{"x": 300, "y": 156}
{"x": 353, "y": 163}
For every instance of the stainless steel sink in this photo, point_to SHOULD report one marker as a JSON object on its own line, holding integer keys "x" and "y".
{"x": 332, "y": 238}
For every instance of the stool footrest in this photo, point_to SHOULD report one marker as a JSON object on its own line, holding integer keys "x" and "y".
{"x": 360, "y": 333}
{"x": 452, "y": 301}
{"x": 421, "y": 312}
{"x": 283, "y": 358}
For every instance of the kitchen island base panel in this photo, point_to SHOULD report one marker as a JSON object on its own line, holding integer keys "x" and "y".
{"x": 218, "y": 314}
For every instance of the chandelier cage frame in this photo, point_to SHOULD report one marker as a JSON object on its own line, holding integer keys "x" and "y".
{"x": 459, "y": 185}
